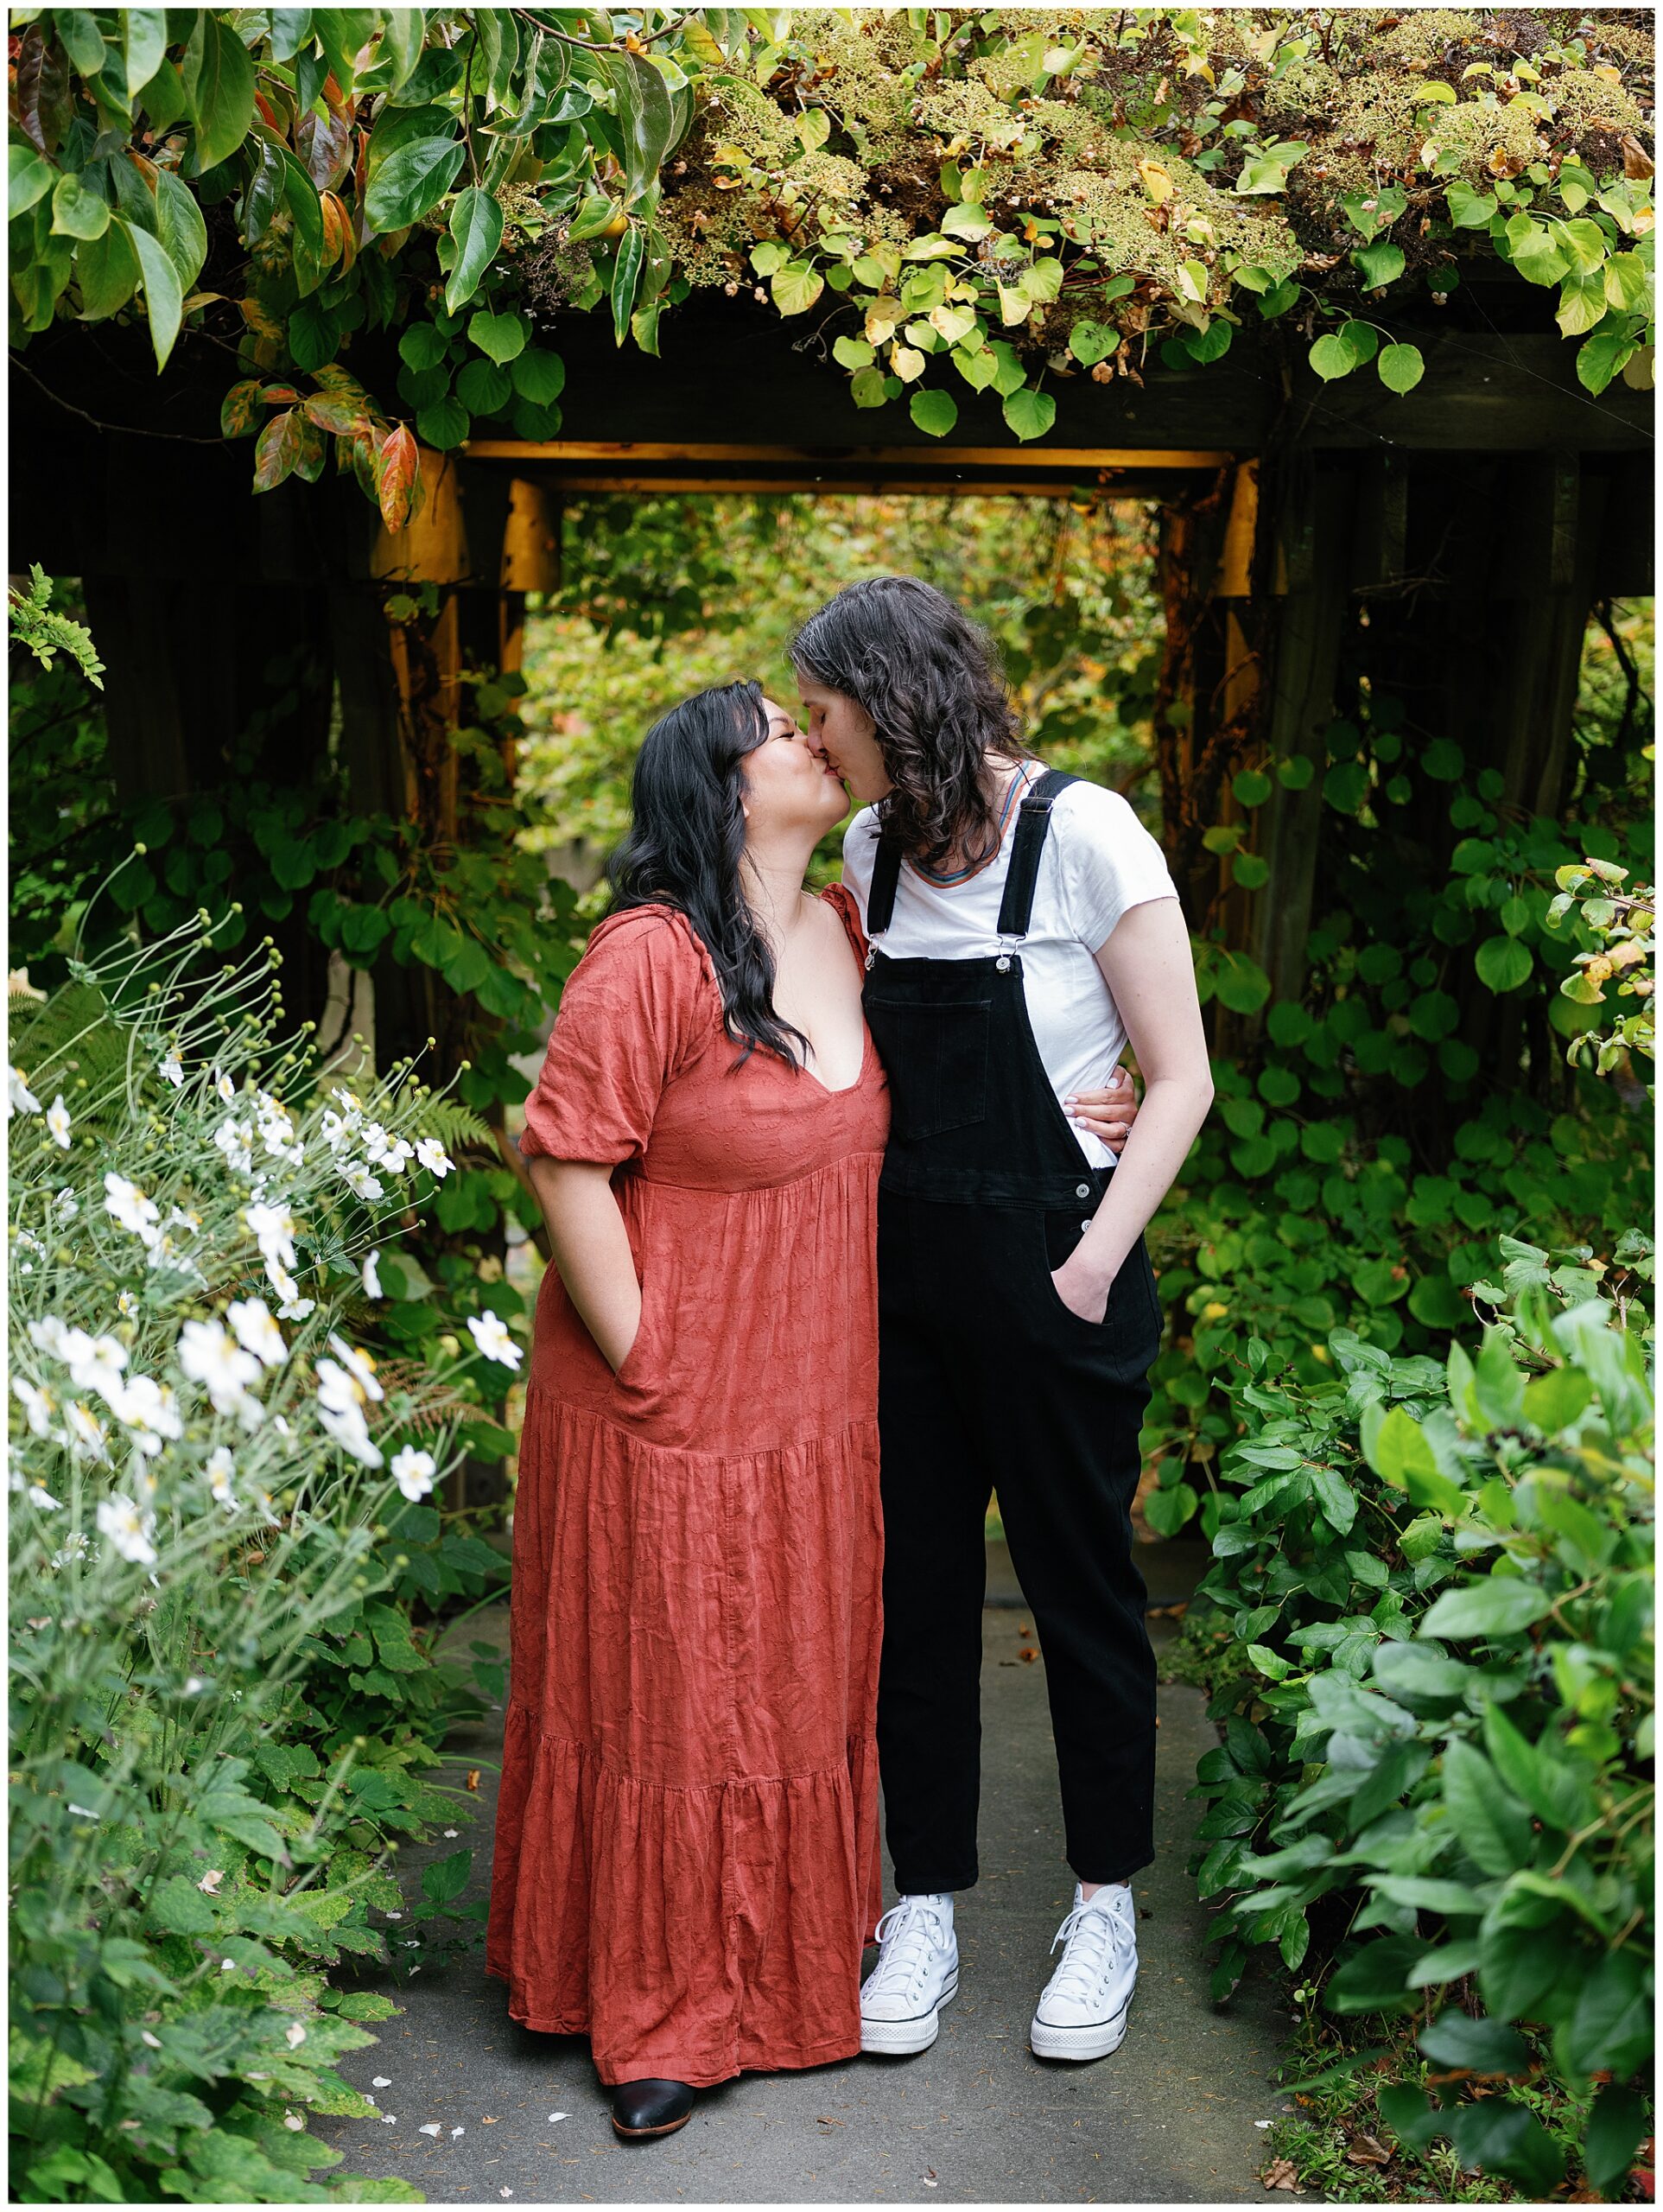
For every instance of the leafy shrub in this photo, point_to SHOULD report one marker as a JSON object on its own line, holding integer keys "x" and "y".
{"x": 223, "y": 1704}
{"x": 1437, "y": 1729}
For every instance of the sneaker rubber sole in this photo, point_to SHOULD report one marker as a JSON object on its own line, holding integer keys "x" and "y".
{"x": 1097, "y": 2039}
{"x": 904, "y": 2038}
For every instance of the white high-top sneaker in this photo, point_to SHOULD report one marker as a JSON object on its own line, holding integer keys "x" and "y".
{"x": 1082, "y": 2012}
{"x": 917, "y": 1974}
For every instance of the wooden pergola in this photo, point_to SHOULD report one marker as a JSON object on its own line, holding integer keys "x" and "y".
{"x": 1447, "y": 545}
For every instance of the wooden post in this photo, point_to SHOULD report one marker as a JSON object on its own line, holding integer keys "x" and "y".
{"x": 1313, "y": 528}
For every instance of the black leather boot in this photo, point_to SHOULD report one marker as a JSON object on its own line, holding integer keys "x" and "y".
{"x": 644, "y": 2108}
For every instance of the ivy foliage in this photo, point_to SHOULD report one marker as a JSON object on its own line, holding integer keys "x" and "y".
{"x": 961, "y": 198}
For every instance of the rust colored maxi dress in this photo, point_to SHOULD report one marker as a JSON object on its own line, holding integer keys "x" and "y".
{"x": 687, "y": 1859}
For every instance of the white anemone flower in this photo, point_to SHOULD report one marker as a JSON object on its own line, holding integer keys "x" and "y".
{"x": 130, "y": 1206}
{"x": 39, "y": 1406}
{"x": 51, "y": 1333}
{"x": 86, "y": 1431}
{"x": 219, "y": 1470}
{"x": 413, "y": 1471}
{"x": 296, "y": 1309}
{"x": 493, "y": 1340}
{"x": 359, "y": 1364}
{"x": 372, "y": 1275}
{"x": 272, "y": 1226}
{"x": 433, "y": 1157}
{"x": 95, "y": 1363}
{"x": 397, "y": 1156}
{"x": 223, "y": 1086}
{"x": 65, "y": 1204}
{"x": 235, "y": 1140}
{"x": 360, "y": 1182}
{"x": 43, "y": 1499}
{"x": 171, "y": 1070}
{"x": 76, "y": 1547}
{"x": 128, "y": 1530}
{"x": 256, "y": 1332}
{"x": 58, "y": 1122}
{"x": 20, "y": 1099}
{"x": 209, "y": 1356}
{"x": 149, "y": 1412}
{"x": 341, "y": 1401}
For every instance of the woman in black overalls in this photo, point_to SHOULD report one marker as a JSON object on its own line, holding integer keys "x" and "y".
{"x": 989, "y": 1376}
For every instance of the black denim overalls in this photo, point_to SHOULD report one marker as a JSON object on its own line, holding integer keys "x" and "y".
{"x": 986, "y": 1379}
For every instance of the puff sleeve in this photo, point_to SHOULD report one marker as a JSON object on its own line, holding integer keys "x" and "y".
{"x": 635, "y": 1004}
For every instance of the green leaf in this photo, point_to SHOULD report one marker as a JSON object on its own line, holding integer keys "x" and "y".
{"x": 934, "y": 412}
{"x": 412, "y": 179}
{"x": 144, "y": 45}
{"x": 538, "y": 375}
{"x": 1494, "y": 1828}
{"x": 483, "y": 388}
{"x": 179, "y": 226}
{"x": 1402, "y": 367}
{"x": 1611, "y": 2027}
{"x": 162, "y": 298}
{"x": 476, "y": 229}
{"x": 1331, "y": 357}
{"x": 626, "y": 278}
{"x": 797, "y": 286}
{"x": 978, "y": 370}
{"x": 1090, "y": 342}
{"x": 1617, "y": 2125}
{"x": 447, "y": 1877}
{"x": 28, "y": 178}
{"x": 1502, "y": 1605}
{"x": 443, "y": 425}
{"x": 1475, "y": 2046}
{"x": 219, "y": 79}
{"x": 1252, "y": 786}
{"x": 1028, "y": 413}
{"x": 1167, "y": 1511}
{"x": 107, "y": 269}
{"x": 645, "y": 116}
{"x": 77, "y": 211}
{"x": 1503, "y": 964}
{"x": 1335, "y": 1496}
{"x": 1380, "y": 264}
{"x": 502, "y": 336}
{"x": 1375, "y": 1978}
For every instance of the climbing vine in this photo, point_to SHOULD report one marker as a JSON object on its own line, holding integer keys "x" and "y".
{"x": 990, "y": 200}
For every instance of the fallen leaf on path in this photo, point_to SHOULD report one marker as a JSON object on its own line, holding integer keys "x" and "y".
{"x": 1368, "y": 2151}
{"x": 554, "y": 2116}
{"x": 1281, "y": 2173}
{"x": 473, "y": 1773}
{"x": 381, "y": 2081}
{"x": 487, "y": 2121}
{"x": 930, "y": 2181}
{"x": 1027, "y": 1652}
{"x": 431, "y": 2127}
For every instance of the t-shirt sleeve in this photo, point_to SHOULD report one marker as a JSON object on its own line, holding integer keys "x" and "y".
{"x": 860, "y": 856}
{"x": 632, "y": 1006}
{"x": 1110, "y": 863}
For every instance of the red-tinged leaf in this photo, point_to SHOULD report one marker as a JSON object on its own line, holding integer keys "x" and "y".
{"x": 278, "y": 453}
{"x": 281, "y": 395}
{"x": 261, "y": 321}
{"x": 42, "y": 97}
{"x": 395, "y": 476}
{"x": 336, "y": 412}
{"x": 325, "y": 145}
{"x": 337, "y": 229}
{"x": 312, "y": 453}
{"x": 264, "y": 106}
{"x": 238, "y": 409}
{"x": 363, "y": 452}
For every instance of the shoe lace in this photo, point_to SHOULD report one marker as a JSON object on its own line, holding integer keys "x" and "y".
{"x": 907, "y": 1934}
{"x": 1096, "y": 1939}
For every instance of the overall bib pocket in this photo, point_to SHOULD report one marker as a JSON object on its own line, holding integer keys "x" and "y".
{"x": 937, "y": 1060}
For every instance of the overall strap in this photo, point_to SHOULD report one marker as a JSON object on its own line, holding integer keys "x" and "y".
{"x": 886, "y": 876}
{"x": 1033, "y": 822}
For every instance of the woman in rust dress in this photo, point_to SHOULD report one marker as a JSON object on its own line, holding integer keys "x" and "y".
{"x": 687, "y": 1857}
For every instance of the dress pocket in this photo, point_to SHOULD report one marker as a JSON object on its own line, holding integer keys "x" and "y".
{"x": 936, "y": 1058}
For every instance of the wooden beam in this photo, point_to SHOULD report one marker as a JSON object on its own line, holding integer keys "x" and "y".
{"x": 1055, "y": 460}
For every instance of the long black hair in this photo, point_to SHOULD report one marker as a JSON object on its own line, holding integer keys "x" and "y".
{"x": 931, "y": 682}
{"x": 686, "y": 845}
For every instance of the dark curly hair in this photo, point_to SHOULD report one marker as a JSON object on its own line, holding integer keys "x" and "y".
{"x": 931, "y": 680}
{"x": 685, "y": 847}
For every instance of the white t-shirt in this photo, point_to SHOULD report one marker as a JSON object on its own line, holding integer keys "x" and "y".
{"x": 1098, "y": 861}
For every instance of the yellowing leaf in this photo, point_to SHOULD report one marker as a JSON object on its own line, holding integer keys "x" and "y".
{"x": 1156, "y": 182}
